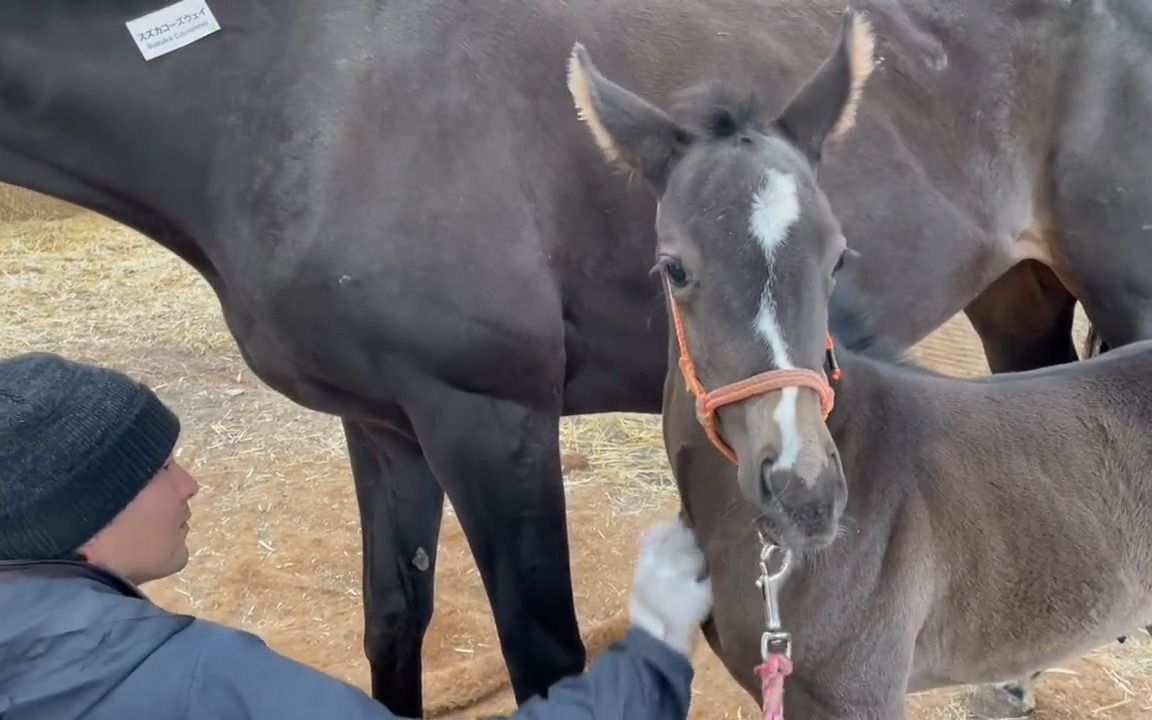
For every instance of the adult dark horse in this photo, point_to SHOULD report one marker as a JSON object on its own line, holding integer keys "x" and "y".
{"x": 900, "y": 493}
{"x": 407, "y": 228}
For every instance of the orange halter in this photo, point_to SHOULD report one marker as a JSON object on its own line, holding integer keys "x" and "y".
{"x": 708, "y": 402}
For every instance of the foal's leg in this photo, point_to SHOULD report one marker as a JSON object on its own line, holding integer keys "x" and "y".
{"x": 1024, "y": 319}
{"x": 499, "y": 463}
{"x": 400, "y": 510}
{"x": 1004, "y": 700}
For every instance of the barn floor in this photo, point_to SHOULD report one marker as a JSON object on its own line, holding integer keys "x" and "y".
{"x": 275, "y": 532}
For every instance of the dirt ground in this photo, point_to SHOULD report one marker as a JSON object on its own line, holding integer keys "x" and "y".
{"x": 275, "y": 532}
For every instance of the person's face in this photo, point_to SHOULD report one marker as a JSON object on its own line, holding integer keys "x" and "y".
{"x": 146, "y": 541}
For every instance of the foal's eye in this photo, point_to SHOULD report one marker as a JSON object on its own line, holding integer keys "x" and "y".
{"x": 676, "y": 274}
{"x": 839, "y": 262}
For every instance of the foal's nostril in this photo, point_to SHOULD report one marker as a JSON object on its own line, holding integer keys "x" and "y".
{"x": 775, "y": 483}
{"x": 767, "y": 462}
{"x": 780, "y": 481}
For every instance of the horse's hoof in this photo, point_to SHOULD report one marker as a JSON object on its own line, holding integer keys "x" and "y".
{"x": 1001, "y": 701}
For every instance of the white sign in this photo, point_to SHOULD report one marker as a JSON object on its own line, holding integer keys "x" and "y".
{"x": 172, "y": 28}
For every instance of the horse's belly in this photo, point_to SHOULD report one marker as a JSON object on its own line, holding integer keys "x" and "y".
{"x": 1012, "y": 658}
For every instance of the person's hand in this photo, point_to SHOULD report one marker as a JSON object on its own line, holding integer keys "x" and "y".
{"x": 669, "y": 598}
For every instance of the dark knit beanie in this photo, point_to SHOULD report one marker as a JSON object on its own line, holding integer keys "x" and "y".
{"x": 77, "y": 443}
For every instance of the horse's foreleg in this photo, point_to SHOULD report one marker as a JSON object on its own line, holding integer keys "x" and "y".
{"x": 1119, "y": 306}
{"x": 1101, "y": 188}
{"x": 401, "y": 505}
{"x": 499, "y": 463}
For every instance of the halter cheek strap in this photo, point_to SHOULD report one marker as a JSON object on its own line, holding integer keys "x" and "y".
{"x": 707, "y": 403}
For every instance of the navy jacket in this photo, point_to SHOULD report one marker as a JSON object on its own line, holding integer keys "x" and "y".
{"x": 79, "y": 642}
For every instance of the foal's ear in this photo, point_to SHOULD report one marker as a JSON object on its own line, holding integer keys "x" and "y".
{"x": 825, "y": 107}
{"x": 629, "y": 131}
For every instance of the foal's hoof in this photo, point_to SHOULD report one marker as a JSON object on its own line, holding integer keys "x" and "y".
{"x": 1004, "y": 700}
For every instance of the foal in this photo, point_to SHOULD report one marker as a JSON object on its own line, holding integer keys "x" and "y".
{"x": 941, "y": 531}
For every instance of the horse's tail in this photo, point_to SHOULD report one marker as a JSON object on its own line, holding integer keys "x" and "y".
{"x": 1093, "y": 343}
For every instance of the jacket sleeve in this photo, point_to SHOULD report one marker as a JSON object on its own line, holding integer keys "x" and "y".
{"x": 238, "y": 677}
{"x": 639, "y": 678}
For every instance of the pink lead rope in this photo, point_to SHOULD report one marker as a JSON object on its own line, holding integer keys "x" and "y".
{"x": 772, "y": 672}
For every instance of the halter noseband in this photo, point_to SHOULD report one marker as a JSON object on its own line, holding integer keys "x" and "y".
{"x": 772, "y": 380}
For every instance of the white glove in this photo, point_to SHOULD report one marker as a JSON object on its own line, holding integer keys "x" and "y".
{"x": 669, "y": 600}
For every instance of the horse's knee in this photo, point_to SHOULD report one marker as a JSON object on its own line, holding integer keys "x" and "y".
{"x": 398, "y": 598}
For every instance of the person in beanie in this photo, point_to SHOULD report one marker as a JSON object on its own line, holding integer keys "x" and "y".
{"x": 92, "y": 505}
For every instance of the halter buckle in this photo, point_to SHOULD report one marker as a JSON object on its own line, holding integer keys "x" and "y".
{"x": 775, "y": 643}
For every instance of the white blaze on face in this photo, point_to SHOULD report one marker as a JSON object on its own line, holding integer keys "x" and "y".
{"x": 775, "y": 210}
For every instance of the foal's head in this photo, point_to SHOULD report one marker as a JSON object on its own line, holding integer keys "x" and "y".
{"x": 748, "y": 249}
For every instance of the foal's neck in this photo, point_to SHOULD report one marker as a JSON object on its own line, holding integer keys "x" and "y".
{"x": 873, "y": 400}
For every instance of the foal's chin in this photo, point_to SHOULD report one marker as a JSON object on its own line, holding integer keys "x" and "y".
{"x": 803, "y": 520}
{"x": 816, "y": 532}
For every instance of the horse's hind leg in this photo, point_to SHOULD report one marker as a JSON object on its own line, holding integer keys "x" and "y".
{"x": 401, "y": 506}
{"x": 1024, "y": 319}
{"x": 499, "y": 462}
